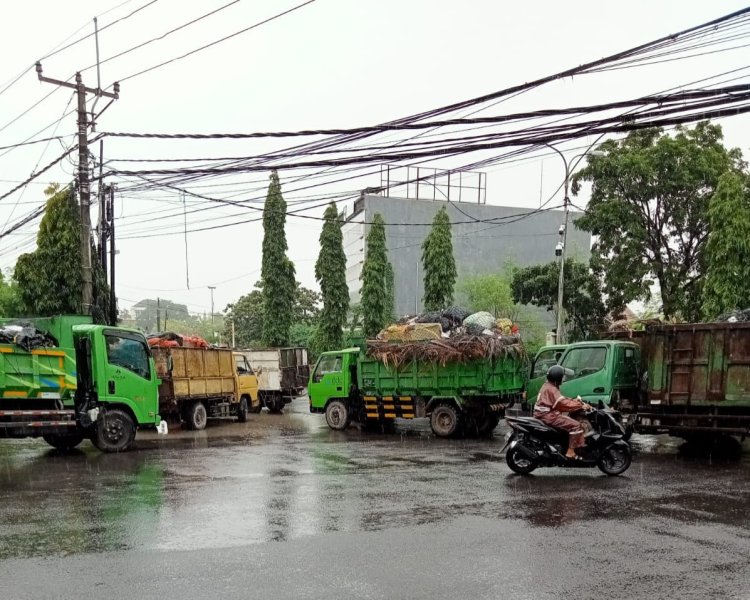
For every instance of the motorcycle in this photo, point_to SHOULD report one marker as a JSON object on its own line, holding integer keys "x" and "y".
{"x": 532, "y": 444}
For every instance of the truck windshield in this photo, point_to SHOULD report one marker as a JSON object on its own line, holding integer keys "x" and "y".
{"x": 328, "y": 364}
{"x": 128, "y": 353}
{"x": 544, "y": 361}
{"x": 584, "y": 361}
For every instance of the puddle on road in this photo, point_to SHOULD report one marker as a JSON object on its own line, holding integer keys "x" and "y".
{"x": 278, "y": 478}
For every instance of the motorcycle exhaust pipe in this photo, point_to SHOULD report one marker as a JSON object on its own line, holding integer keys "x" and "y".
{"x": 526, "y": 452}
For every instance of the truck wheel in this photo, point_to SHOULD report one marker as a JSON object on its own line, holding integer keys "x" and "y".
{"x": 337, "y": 415}
{"x": 196, "y": 416}
{"x": 115, "y": 431}
{"x": 64, "y": 442}
{"x": 444, "y": 420}
{"x": 242, "y": 410}
{"x": 275, "y": 405}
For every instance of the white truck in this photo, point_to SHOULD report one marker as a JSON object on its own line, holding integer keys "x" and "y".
{"x": 282, "y": 375}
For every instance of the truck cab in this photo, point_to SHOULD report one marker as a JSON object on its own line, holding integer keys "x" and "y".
{"x": 97, "y": 382}
{"x": 247, "y": 382}
{"x": 607, "y": 370}
{"x": 332, "y": 378}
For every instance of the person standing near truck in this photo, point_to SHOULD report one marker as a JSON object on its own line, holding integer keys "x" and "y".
{"x": 551, "y": 406}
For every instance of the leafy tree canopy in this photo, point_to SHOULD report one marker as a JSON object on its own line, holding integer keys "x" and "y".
{"x": 649, "y": 212}
{"x": 727, "y": 255}
{"x": 49, "y": 278}
{"x": 247, "y": 315}
{"x": 582, "y": 300}
{"x": 330, "y": 272}
{"x": 374, "y": 301}
{"x": 438, "y": 264}
{"x": 277, "y": 271}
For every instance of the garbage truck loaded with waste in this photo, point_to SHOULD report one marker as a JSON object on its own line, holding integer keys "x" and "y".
{"x": 462, "y": 376}
{"x": 66, "y": 380}
{"x": 689, "y": 380}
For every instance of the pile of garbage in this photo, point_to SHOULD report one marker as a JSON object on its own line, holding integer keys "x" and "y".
{"x": 736, "y": 316}
{"x": 26, "y": 336}
{"x": 169, "y": 339}
{"x": 451, "y": 335}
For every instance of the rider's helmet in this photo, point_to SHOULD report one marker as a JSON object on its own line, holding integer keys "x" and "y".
{"x": 555, "y": 374}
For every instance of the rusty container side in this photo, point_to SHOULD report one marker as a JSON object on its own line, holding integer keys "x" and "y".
{"x": 699, "y": 365}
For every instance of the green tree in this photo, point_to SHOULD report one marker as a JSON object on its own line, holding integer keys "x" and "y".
{"x": 277, "y": 271}
{"x": 11, "y": 304}
{"x": 306, "y": 307}
{"x": 150, "y": 310}
{"x": 582, "y": 300}
{"x": 247, "y": 316}
{"x": 438, "y": 264}
{"x": 492, "y": 293}
{"x": 374, "y": 272}
{"x": 49, "y": 278}
{"x": 330, "y": 273}
{"x": 389, "y": 308}
{"x": 648, "y": 211}
{"x": 727, "y": 255}
{"x": 489, "y": 293}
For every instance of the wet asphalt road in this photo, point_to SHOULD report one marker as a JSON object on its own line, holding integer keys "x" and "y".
{"x": 281, "y": 507}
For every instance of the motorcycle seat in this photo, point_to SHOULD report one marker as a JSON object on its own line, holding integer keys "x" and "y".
{"x": 534, "y": 422}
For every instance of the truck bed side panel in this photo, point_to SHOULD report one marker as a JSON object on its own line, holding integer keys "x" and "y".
{"x": 475, "y": 378}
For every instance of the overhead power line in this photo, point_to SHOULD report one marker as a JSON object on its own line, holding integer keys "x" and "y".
{"x": 214, "y": 43}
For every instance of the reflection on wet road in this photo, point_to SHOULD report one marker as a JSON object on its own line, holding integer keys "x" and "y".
{"x": 289, "y": 479}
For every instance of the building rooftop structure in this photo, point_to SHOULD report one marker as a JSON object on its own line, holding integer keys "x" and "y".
{"x": 487, "y": 239}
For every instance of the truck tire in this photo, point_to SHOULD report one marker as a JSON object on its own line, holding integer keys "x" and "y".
{"x": 338, "y": 416}
{"x": 242, "y": 409}
{"x": 444, "y": 420}
{"x": 64, "y": 442}
{"x": 275, "y": 404}
{"x": 115, "y": 431}
{"x": 196, "y": 416}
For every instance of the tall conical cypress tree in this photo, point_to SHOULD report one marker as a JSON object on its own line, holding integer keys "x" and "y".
{"x": 277, "y": 271}
{"x": 374, "y": 276}
{"x": 438, "y": 263}
{"x": 330, "y": 272}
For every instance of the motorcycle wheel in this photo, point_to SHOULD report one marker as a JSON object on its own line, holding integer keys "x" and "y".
{"x": 615, "y": 460}
{"x": 518, "y": 463}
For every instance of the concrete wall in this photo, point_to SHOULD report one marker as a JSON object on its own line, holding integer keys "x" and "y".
{"x": 478, "y": 248}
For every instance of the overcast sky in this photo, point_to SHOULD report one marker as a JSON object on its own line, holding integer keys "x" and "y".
{"x": 334, "y": 63}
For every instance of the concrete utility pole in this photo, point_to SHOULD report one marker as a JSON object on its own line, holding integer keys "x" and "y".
{"x": 213, "y": 330}
{"x": 84, "y": 191}
{"x": 564, "y": 234}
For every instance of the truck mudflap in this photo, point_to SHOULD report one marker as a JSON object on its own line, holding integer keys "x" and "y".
{"x": 681, "y": 423}
{"x": 392, "y": 407}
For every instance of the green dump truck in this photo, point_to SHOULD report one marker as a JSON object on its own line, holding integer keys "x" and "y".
{"x": 459, "y": 398}
{"x": 96, "y": 382}
{"x": 686, "y": 380}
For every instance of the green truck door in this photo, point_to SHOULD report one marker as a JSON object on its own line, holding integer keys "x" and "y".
{"x": 328, "y": 380}
{"x": 129, "y": 377}
{"x": 587, "y": 373}
{"x": 545, "y": 358}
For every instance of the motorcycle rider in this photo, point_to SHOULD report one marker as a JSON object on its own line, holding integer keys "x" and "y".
{"x": 551, "y": 405}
